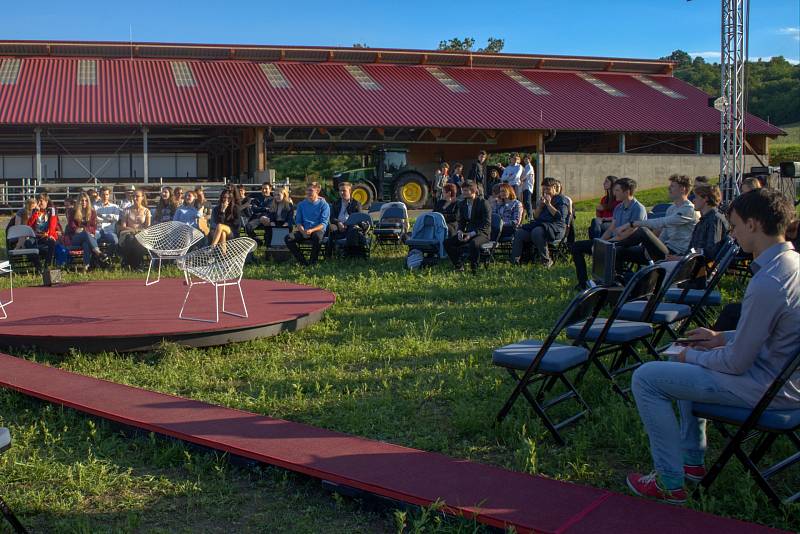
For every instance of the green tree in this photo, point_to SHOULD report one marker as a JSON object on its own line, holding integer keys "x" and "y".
{"x": 467, "y": 44}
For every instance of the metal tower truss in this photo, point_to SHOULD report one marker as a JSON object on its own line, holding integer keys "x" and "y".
{"x": 732, "y": 102}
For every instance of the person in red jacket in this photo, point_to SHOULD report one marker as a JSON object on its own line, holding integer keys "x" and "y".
{"x": 81, "y": 228}
{"x": 44, "y": 222}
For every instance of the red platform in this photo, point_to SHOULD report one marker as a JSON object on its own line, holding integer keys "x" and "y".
{"x": 125, "y": 315}
{"x": 492, "y": 495}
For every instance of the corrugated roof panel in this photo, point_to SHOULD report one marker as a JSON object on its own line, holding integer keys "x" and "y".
{"x": 9, "y": 70}
{"x": 600, "y": 84}
{"x": 237, "y": 93}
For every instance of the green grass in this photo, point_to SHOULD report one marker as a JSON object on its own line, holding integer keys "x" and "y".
{"x": 648, "y": 197}
{"x": 792, "y": 137}
{"x": 400, "y": 357}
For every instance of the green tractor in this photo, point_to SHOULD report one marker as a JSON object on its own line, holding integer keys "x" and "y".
{"x": 386, "y": 178}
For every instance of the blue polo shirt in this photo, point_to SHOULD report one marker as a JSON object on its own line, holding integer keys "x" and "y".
{"x": 635, "y": 212}
{"x": 310, "y": 214}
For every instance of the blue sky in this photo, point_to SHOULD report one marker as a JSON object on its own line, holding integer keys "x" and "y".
{"x": 627, "y": 28}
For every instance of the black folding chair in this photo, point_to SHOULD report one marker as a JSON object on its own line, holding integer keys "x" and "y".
{"x": 5, "y": 444}
{"x": 357, "y": 222}
{"x": 488, "y": 248}
{"x": 667, "y": 314}
{"x": 619, "y": 338}
{"x": 760, "y": 422}
{"x": 392, "y": 227}
{"x": 701, "y": 300}
{"x": 547, "y": 362}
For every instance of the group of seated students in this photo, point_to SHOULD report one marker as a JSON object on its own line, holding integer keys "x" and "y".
{"x": 685, "y": 226}
{"x": 547, "y": 223}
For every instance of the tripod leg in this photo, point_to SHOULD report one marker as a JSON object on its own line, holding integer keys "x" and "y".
{"x": 9, "y": 515}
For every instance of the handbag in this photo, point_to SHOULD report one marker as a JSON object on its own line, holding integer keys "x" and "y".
{"x": 202, "y": 225}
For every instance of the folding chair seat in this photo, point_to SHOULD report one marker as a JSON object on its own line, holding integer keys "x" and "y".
{"x": 760, "y": 425}
{"x": 665, "y": 313}
{"x": 488, "y": 248}
{"x": 693, "y": 296}
{"x": 619, "y": 338}
{"x": 21, "y": 259}
{"x": 546, "y": 363}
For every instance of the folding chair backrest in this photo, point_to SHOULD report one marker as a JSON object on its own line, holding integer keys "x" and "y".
{"x": 791, "y": 367}
{"x": 725, "y": 257}
{"x": 497, "y": 227}
{"x": 393, "y": 215}
{"x": 20, "y": 231}
{"x": 644, "y": 285}
{"x": 586, "y": 307}
{"x": 685, "y": 271}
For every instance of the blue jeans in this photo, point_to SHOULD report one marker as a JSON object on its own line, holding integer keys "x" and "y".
{"x": 597, "y": 227}
{"x": 673, "y": 443}
{"x": 108, "y": 237}
{"x": 527, "y": 203}
{"x": 87, "y": 242}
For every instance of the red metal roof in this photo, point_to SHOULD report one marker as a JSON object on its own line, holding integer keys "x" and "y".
{"x": 237, "y": 93}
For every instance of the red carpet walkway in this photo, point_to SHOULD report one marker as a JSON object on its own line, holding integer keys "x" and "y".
{"x": 495, "y": 496}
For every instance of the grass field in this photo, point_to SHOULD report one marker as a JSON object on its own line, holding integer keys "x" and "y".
{"x": 400, "y": 357}
{"x": 793, "y": 137}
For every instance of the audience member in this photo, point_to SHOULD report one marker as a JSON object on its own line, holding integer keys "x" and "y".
{"x": 549, "y": 224}
{"x": 509, "y": 209}
{"x": 280, "y": 213}
{"x": 654, "y": 239}
{"x": 629, "y": 209}
{"x": 710, "y": 232}
{"x": 227, "y": 217}
{"x": 165, "y": 207}
{"x": 527, "y": 185}
{"x": 492, "y": 179}
{"x": 188, "y": 212}
{"x": 21, "y": 217}
{"x": 259, "y": 206}
{"x": 44, "y": 222}
{"x": 134, "y": 219}
{"x": 81, "y": 229}
{"x": 750, "y": 184}
{"x": 108, "y": 215}
{"x": 731, "y": 368}
{"x": 341, "y": 210}
{"x": 512, "y": 173}
{"x": 474, "y": 227}
{"x": 698, "y": 180}
{"x": 440, "y": 178}
{"x": 94, "y": 197}
{"x": 457, "y": 176}
{"x": 311, "y": 222}
{"x": 477, "y": 171}
{"x": 204, "y": 207}
{"x": 127, "y": 202}
{"x": 604, "y": 212}
{"x": 447, "y": 205}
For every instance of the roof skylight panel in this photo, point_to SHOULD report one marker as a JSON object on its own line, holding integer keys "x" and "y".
{"x": 446, "y": 80}
{"x": 182, "y": 74}
{"x": 364, "y": 80}
{"x": 526, "y": 83}
{"x": 600, "y": 84}
{"x": 658, "y": 87}
{"x": 9, "y": 71}
{"x": 274, "y": 75}
{"x": 87, "y": 72}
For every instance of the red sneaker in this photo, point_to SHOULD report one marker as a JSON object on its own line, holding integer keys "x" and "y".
{"x": 694, "y": 473}
{"x": 647, "y": 486}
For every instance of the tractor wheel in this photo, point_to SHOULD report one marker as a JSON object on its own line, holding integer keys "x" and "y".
{"x": 412, "y": 190}
{"x": 363, "y": 193}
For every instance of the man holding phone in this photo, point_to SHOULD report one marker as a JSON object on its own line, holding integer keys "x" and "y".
{"x": 730, "y": 368}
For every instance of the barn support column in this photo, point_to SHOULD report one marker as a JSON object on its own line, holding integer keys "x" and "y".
{"x": 540, "y": 166}
{"x": 622, "y": 143}
{"x": 37, "y": 171}
{"x": 145, "y": 157}
{"x": 698, "y": 144}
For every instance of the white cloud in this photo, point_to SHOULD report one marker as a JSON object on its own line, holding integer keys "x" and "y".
{"x": 794, "y": 33}
{"x": 706, "y": 55}
{"x": 767, "y": 58}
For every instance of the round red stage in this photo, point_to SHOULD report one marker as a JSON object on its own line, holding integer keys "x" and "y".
{"x": 126, "y": 315}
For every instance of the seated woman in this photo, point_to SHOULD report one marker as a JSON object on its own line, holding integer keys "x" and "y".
{"x": 509, "y": 209}
{"x": 165, "y": 208}
{"x": 21, "y": 217}
{"x": 134, "y": 219}
{"x": 81, "y": 227}
{"x": 448, "y": 207}
{"x": 44, "y": 222}
{"x": 279, "y": 214}
{"x": 226, "y": 217}
{"x": 604, "y": 212}
{"x": 549, "y": 224}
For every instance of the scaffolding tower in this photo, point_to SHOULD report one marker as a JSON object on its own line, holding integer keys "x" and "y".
{"x": 735, "y": 24}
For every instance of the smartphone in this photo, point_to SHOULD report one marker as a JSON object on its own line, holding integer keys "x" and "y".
{"x": 686, "y": 340}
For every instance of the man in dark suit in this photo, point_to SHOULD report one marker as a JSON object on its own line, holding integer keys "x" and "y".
{"x": 477, "y": 173}
{"x": 341, "y": 210}
{"x": 474, "y": 227}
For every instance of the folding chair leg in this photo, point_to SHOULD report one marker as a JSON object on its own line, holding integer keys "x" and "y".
{"x": 762, "y": 448}
{"x": 511, "y": 399}
{"x": 11, "y": 518}
{"x": 543, "y": 416}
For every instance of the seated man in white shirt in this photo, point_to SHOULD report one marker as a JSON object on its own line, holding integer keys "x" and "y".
{"x": 108, "y": 215}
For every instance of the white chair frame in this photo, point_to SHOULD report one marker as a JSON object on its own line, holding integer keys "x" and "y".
{"x": 219, "y": 266}
{"x": 5, "y": 268}
{"x": 169, "y": 240}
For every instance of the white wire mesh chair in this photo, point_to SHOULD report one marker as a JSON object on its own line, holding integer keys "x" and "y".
{"x": 167, "y": 241}
{"x": 219, "y": 265}
{"x": 5, "y": 268}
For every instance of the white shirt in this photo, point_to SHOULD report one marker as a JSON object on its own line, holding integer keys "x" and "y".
{"x": 528, "y": 174}
{"x": 343, "y": 215}
{"x": 107, "y": 217}
{"x": 511, "y": 174}
{"x": 125, "y": 204}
